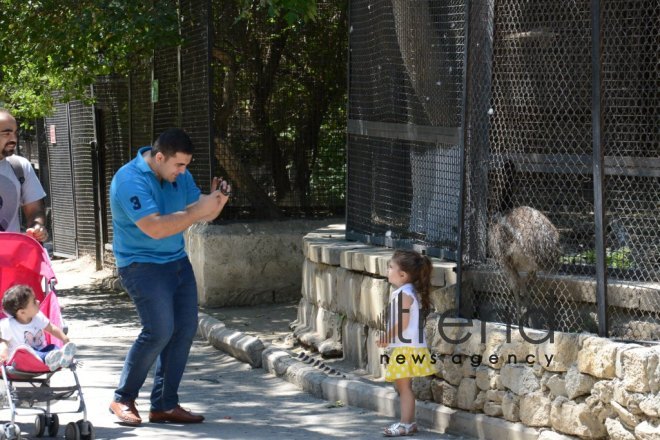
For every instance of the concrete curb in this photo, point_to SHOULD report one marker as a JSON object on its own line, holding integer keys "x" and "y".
{"x": 359, "y": 393}
{"x": 241, "y": 346}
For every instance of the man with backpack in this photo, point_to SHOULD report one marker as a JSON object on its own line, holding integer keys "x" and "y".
{"x": 19, "y": 185}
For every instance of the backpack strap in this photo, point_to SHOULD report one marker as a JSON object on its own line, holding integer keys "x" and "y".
{"x": 18, "y": 169}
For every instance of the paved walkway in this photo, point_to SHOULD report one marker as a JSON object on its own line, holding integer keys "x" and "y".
{"x": 238, "y": 401}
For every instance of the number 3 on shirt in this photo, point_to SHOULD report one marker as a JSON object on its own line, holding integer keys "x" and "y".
{"x": 136, "y": 202}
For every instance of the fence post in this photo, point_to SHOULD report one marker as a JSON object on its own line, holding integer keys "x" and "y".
{"x": 598, "y": 166}
{"x": 462, "y": 137}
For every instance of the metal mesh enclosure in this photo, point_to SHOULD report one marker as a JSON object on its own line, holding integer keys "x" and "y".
{"x": 62, "y": 199}
{"x": 405, "y": 117}
{"x": 560, "y": 131}
{"x": 83, "y": 132}
{"x": 195, "y": 97}
{"x": 112, "y": 103}
{"x": 631, "y": 132}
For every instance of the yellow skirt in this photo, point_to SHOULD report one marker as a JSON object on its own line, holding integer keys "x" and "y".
{"x": 408, "y": 362}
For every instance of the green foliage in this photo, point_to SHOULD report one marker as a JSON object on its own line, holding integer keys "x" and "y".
{"x": 63, "y": 45}
{"x": 291, "y": 10}
{"x": 616, "y": 259}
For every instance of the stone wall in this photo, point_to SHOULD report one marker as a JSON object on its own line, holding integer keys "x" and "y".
{"x": 564, "y": 386}
{"x": 249, "y": 263}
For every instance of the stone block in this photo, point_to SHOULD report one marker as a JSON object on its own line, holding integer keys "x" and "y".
{"x": 559, "y": 355}
{"x": 444, "y": 298}
{"x": 495, "y": 396}
{"x": 641, "y": 369}
{"x": 375, "y": 261}
{"x": 354, "y": 340}
{"x": 557, "y": 385}
{"x": 452, "y": 371}
{"x": 486, "y": 378}
{"x": 519, "y": 379}
{"x": 511, "y": 407}
{"x": 647, "y": 431}
{"x": 597, "y": 357}
{"x": 467, "y": 394}
{"x": 651, "y": 406}
{"x": 493, "y": 409}
{"x": 575, "y": 419}
{"x": 325, "y": 286}
{"x": 422, "y": 387}
{"x": 252, "y": 263}
{"x": 616, "y": 431}
{"x": 578, "y": 384}
{"x": 535, "y": 409}
{"x": 349, "y": 287}
{"x": 373, "y": 301}
{"x": 375, "y": 365}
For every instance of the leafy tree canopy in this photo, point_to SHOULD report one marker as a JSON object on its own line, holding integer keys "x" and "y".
{"x": 63, "y": 45}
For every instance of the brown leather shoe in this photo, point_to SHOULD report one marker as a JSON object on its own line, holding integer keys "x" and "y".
{"x": 126, "y": 412}
{"x": 176, "y": 415}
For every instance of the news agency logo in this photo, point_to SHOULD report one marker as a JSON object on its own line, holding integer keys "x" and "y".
{"x": 393, "y": 314}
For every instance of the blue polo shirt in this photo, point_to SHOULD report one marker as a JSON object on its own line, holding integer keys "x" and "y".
{"x": 136, "y": 192}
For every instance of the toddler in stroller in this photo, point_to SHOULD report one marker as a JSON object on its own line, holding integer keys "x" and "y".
{"x": 33, "y": 346}
{"x": 24, "y": 330}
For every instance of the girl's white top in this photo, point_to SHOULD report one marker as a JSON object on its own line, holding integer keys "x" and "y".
{"x": 413, "y": 334}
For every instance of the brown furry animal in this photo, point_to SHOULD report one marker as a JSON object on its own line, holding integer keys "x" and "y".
{"x": 523, "y": 240}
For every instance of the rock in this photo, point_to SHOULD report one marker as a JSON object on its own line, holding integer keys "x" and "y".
{"x": 486, "y": 378}
{"x": 647, "y": 431}
{"x": 641, "y": 369}
{"x": 493, "y": 409}
{"x": 603, "y": 390}
{"x": 444, "y": 393}
{"x": 535, "y": 409}
{"x": 625, "y": 416}
{"x": 422, "y": 388}
{"x": 519, "y": 379}
{"x": 616, "y": 431}
{"x": 495, "y": 396}
{"x": 452, "y": 371}
{"x": 577, "y": 384}
{"x": 467, "y": 393}
{"x": 510, "y": 407}
{"x": 575, "y": 419}
{"x": 651, "y": 406}
{"x": 597, "y": 357}
{"x": 557, "y": 385}
{"x": 559, "y": 355}
{"x": 480, "y": 401}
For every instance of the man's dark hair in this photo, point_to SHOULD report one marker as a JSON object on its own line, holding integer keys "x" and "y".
{"x": 16, "y": 298}
{"x": 172, "y": 141}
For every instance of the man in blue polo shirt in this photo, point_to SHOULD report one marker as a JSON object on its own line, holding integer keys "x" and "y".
{"x": 153, "y": 200}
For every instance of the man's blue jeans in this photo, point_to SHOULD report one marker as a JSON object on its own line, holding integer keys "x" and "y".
{"x": 165, "y": 296}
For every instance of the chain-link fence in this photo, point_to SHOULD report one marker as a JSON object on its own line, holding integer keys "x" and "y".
{"x": 405, "y": 111}
{"x": 536, "y": 117}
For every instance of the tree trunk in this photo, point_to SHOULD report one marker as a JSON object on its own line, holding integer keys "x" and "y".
{"x": 230, "y": 163}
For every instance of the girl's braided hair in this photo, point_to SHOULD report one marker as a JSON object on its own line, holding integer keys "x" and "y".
{"x": 419, "y": 268}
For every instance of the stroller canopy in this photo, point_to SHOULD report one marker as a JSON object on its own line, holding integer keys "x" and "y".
{"x": 23, "y": 261}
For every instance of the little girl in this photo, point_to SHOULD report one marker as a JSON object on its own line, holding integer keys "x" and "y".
{"x": 26, "y": 326}
{"x": 410, "y": 273}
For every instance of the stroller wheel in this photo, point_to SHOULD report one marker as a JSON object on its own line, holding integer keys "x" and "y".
{"x": 72, "y": 431}
{"x": 86, "y": 430}
{"x": 39, "y": 425}
{"x": 11, "y": 432}
{"x": 53, "y": 425}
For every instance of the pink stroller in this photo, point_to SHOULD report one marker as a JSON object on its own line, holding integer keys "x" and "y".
{"x": 26, "y": 378}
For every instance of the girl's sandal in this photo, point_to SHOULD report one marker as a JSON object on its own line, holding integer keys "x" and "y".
{"x": 400, "y": 429}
